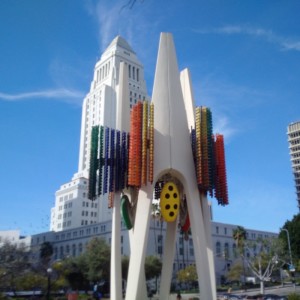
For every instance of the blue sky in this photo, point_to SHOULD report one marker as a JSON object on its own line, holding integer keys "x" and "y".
{"x": 244, "y": 58}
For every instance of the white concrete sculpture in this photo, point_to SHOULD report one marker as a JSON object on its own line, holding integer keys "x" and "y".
{"x": 156, "y": 150}
{"x": 173, "y": 160}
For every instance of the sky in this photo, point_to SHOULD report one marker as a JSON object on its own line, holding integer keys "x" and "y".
{"x": 244, "y": 59}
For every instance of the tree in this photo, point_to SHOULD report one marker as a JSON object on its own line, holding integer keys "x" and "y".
{"x": 188, "y": 275}
{"x": 152, "y": 267}
{"x": 14, "y": 263}
{"x": 125, "y": 266}
{"x": 294, "y": 234}
{"x": 97, "y": 259}
{"x": 46, "y": 252}
{"x": 240, "y": 235}
{"x": 262, "y": 257}
{"x": 235, "y": 272}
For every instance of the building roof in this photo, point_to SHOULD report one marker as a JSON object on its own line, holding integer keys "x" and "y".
{"x": 120, "y": 42}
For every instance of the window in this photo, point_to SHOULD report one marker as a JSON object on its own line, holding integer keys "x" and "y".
{"x": 159, "y": 238}
{"x": 234, "y": 251}
{"x": 160, "y": 249}
{"x": 218, "y": 249}
{"x": 73, "y": 250}
{"x": 180, "y": 251}
{"x": 225, "y": 230}
{"x": 226, "y": 251}
{"x": 217, "y": 229}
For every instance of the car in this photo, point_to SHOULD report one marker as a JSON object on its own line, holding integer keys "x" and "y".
{"x": 274, "y": 297}
{"x": 229, "y": 296}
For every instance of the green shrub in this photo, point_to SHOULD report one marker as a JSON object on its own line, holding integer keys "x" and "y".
{"x": 293, "y": 296}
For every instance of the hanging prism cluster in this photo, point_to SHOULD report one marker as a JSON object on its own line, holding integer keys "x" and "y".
{"x": 93, "y": 163}
{"x": 140, "y": 166}
{"x": 119, "y": 159}
{"x": 210, "y": 172}
{"x": 108, "y": 161}
{"x": 221, "y": 192}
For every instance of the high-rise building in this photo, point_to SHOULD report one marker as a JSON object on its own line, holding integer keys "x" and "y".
{"x": 72, "y": 207}
{"x": 294, "y": 146}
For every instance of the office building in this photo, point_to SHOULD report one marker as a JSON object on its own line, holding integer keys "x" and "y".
{"x": 72, "y": 207}
{"x": 294, "y": 146}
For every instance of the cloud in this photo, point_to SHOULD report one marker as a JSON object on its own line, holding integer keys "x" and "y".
{"x": 119, "y": 18}
{"x": 267, "y": 35}
{"x": 109, "y": 18}
{"x": 65, "y": 95}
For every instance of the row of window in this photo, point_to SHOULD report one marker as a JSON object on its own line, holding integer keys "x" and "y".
{"x": 74, "y": 250}
{"x": 103, "y": 72}
{"x": 65, "y": 215}
{"x": 87, "y": 203}
{"x": 133, "y": 73}
{"x": 294, "y": 134}
{"x": 251, "y": 235}
{"x": 295, "y": 148}
{"x": 64, "y": 224}
{"x": 66, "y": 197}
{"x": 294, "y": 142}
{"x": 86, "y": 213}
{"x": 226, "y": 251}
{"x": 65, "y": 206}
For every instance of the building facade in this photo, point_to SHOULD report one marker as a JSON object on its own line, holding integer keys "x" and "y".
{"x": 293, "y": 132}
{"x": 73, "y": 242}
{"x": 72, "y": 207}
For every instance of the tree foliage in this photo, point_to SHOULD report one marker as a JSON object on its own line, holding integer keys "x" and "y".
{"x": 187, "y": 275}
{"x": 235, "y": 272}
{"x": 14, "y": 263}
{"x": 261, "y": 256}
{"x": 293, "y": 228}
{"x": 239, "y": 235}
{"x": 152, "y": 267}
{"x": 97, "y": 259}
{"x": 46, "y": 252}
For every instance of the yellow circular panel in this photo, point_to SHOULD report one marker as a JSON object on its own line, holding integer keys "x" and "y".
{"x": 169, "y": 202}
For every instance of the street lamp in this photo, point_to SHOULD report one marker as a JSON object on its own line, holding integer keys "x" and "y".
{"x": 49, "y": 272}
{"x": 289, "y": 245}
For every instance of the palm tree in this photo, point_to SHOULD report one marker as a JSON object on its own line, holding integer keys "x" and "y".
{"x": 239, "y": 235}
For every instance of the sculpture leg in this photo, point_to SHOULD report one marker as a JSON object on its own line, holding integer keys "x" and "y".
{"x": 209, "y": 245}
{"x": 168, "y": 259}
{"x": 203, "y": 264}
{"x": 136, "y": 272}
{"x": 115, "y": 263}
